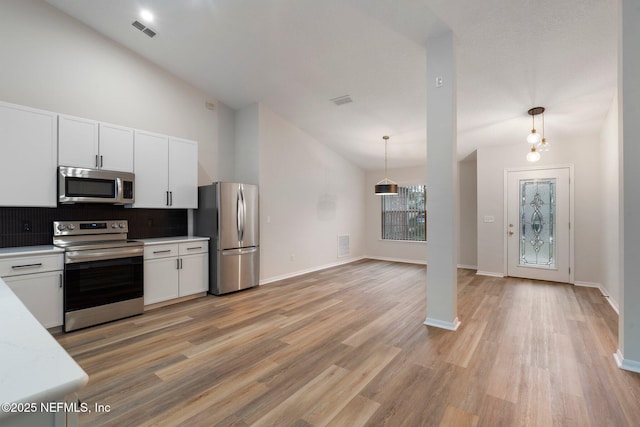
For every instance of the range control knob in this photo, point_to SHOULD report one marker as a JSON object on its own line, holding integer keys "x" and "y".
{"x": 71, "y": 227}
{"x": 62, "y": 227}
{"x": 121, "y": 225}
{"x": 114, "y": 225}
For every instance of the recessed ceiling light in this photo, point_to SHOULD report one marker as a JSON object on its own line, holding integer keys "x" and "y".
{"x": 146, "y": 15}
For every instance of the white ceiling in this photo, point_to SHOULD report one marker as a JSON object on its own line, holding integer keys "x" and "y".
{"x": 295, "y": 55}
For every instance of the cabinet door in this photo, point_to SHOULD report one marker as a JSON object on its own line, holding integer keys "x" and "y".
{"x": 194, "y": 274}
{"x": 78, "y": 142}
{"x": 151, "y": 160}
{"x": 116, "y": 148}
{"x": 160, "y": 280}
{"x": 28, "y": 143}
{"x": 183, "y": 173}
{"x": 41, "y": 293}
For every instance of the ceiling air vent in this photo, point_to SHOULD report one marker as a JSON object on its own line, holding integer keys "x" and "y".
{"x": 341, "y": 100}
{"x": 140, "y": 26}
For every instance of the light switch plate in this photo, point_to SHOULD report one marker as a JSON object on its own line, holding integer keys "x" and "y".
{"x": 489, "y": 218}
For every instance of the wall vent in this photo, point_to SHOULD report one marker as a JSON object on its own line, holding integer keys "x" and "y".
{"x": 341, "y": 100}
{"x": 343, "y": 246}
{"x": 140, "y": 26}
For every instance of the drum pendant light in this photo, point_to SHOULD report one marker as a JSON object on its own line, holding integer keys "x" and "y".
{"x": 386, "y": 187}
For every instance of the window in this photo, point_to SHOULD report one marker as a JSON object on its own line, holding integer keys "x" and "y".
{"x": 404, "y": 215}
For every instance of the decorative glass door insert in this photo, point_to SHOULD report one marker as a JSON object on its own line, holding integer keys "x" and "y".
{"x": 538, "y": 223}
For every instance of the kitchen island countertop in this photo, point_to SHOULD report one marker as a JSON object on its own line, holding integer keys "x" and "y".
{"x": 34, "y": 368}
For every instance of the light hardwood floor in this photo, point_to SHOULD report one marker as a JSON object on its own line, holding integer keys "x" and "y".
{"x": 347, "y": 347}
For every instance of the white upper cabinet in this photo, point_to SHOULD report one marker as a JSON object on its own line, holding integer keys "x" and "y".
{"x": 89, "y": 144}
{"x": 116, "y": 148}
{"x": 183, "y": 173}
{"x": 166, "y": 171}
{"x": 150, "y": 167}
{"x": 77, "y": 142}
{"x": 28, "y": 163}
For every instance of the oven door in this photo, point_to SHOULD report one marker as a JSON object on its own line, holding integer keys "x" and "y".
{"x": 101, "y": 285}
{"x": 95, "y": 283}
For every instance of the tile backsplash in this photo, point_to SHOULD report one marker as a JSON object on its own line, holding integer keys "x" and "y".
{"x": 34, "y": 226}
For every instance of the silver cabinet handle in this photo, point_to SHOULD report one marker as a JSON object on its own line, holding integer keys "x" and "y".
{"x": 162, "y": 252}
{"x": 96, "y": 160}
{"x": 101, "y": 161}
{"x": 171, "y": 198}
{"x": 193, "y": 248}
{"x": 168, "y": 199}
{"x": 60, "y": 282}
{"x": 18, "y": 267}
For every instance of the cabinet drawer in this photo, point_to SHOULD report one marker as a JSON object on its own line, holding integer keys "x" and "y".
{"x": 30, "y": 264}
{"x": 192, "y": 248}
{"x": 160, "y": 251}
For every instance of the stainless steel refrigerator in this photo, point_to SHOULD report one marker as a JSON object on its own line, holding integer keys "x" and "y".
{"x": 228, "y": 214}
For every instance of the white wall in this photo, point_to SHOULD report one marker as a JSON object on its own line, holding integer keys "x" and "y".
{"x": 53, "y": 62}
{"x": 226, "y": 143}
{"x": 308, "y": 196}
{"x": 585, "y": 156}
{"x": 416, "y": 252}
{"x": 468, "y": 207}
{"x": 390, "y": 249}
{"x": 247, "y": 145}
{"x": 611, "y": 204}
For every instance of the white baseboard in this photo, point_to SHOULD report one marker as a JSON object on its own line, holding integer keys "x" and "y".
{"x": 451, "y": 326}
{"x": 309, "y": 270}
{"x": 588, "y": 285}
{"x": 468, "y": 267}
{"x": 489, "y": 273}
{"x": 408, "y": 261}
{"x": 626, "y": 364}
{"x": 613, "y": 303}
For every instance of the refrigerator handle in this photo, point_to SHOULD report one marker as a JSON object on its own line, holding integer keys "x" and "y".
{"x": 239, "y": 215}
{"x": 244, "y": 211}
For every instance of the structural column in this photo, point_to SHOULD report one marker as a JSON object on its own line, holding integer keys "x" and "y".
{"x": 628, "y": 354}
{"x": 442, "y": 184}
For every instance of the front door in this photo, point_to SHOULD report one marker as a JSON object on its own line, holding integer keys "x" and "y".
{"x": 538, "y": 228}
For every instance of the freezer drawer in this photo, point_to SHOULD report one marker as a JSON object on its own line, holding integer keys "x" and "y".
{"x": 236, "y": 269}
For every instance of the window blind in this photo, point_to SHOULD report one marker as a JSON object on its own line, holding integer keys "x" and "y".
{"x": 404, "y": 215}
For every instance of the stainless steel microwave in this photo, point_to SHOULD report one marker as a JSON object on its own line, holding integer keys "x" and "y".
{"x": 79, "y": 185}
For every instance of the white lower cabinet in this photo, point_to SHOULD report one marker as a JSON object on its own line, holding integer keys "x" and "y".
{"x": 161, "y": 278}
{"x": 175, "y": 270}
{"x": 194, "y": 274}
{"x": 40, "y": 291}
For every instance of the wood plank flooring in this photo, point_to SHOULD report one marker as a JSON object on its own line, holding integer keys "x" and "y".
{"x": 347, "y": 347}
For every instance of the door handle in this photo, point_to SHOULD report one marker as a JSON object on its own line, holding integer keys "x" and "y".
{"x": 510, "y": 233}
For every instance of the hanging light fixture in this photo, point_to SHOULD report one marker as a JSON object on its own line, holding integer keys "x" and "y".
{"x": 533, "y": 155}
{"x": 534, "y": 138}
{"x": 386, "y": 186}
{"x": 544, "y": 145}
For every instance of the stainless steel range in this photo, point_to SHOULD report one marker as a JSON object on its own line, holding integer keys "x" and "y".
{"x": 103, "y": 272}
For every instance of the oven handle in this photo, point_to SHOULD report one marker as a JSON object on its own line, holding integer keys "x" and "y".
{"x": 72, "y": 257}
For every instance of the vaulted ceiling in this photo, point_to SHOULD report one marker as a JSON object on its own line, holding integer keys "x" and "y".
{"x": 294, "y": 56}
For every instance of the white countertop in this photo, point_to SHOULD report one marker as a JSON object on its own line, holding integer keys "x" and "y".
{"x": 29, "y": 250}
{"x": 33, "y": 366}
{"x": 174, "y": 239}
